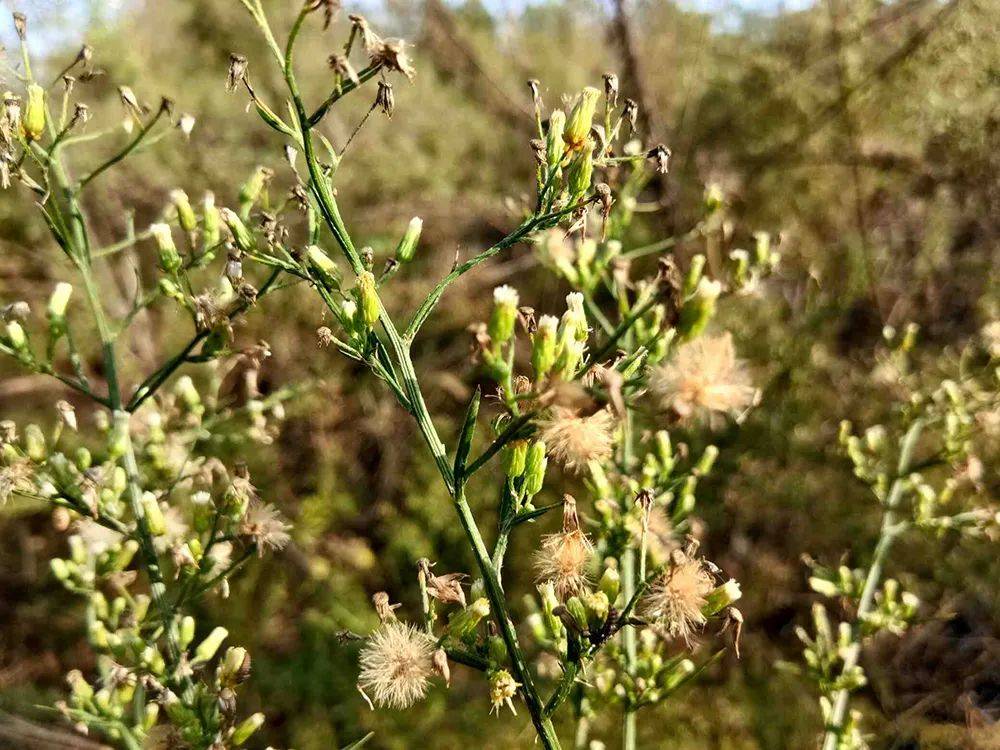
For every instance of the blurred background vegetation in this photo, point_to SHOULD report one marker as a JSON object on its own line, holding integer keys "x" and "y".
{"x": 866, "y": 133}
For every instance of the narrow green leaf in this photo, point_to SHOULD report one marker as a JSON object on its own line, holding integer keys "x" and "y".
{"x": 360, "y": 743}
{"x": 465, "y": 438}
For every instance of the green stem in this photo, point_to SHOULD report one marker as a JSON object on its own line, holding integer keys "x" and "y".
{"x": 628, "y": 576}
{"x": 143, "y": 131}
{"x": 322, "y": 193}
{"x": 887, "y": 535}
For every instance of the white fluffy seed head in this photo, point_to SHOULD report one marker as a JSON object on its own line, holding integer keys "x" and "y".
{"x": 396, "y": 664}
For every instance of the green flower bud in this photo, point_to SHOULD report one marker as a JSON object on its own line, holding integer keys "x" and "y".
{"x": 235, "y": 666}
{"x": 598, "y": 605}
{"x": 575, "y": 607}
{"x": 581, "y": 119}
{"x": 462, "y": 624}
{"x": 714, "y": 198}
{"x": 150, "y": 714}
{"x": 324, "y": 266}
{"x": 58, "y": 301}
{"x": 721, "y": 597}
{"x": 504, "y": 317}
{"x": 33, "y": 115}
{"x": 251, "y": 191}
{"x": 184, "y": 389}
{"x": 368, "y": 301}
{"x": 242, "y": 236}
{"x": 169, "y": 289}
{"x": 185, "y": 633}
{"x": 34, "y": 443}
{"x": 16, "y": 337}
{"x": 574, "y": 320}
{"x": 610, "y": 583}
{"x": 555, "y": 146}
{"x": 581, "y": 171}
{"x": 496, "y": 649}
{"x": 515, "y": 454}
{"x": 207, "y": 648}
{"x": 570, "y": 356}
{"x": 185, "y": 214}
{"x": 762, "y": 248}
{"x": 210, "y": 221}
{"x": 81, "y": 689}
{"x": 154, "y": 659}
{"x": 407, "y": 246}
{"x": 153, "y": 514}
{"x": 741, "y": 267}
{"x": 247, "y": 727}
{"x": 140, "y": 607}
{"x": 543, "y": 346}
{"x": 60, "y": 568}
{"x": 535, "y": 464}
{"x": 699, "y": 309}
{"x": 170, "y": 259}
{"x": 693, "y": 277}
{"x": 126, "y": 553}
{"x": 707, "y": 460}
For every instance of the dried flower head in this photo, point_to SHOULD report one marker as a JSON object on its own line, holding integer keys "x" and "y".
{"x": 342, "y": 67}
{"x": 573, "y": 440}
{"x": 446, "y": 588}
{"x": 15, "y": 477}
{"x": 384, "y": 608}
{"x": 237, "y": 71}
{"x": 705, "y": 375}
{"x": 564, "y": 557}
{"x": 678, "y": 596}
{"x": 384, "y": 99}
{"x": 369, "y": 39}
{"x": 265, "y": 527}
{"x": 391, "y": 54}
{"x": 396, "y": 664}
{"x": 660, "y": 156}
{"x": 611, "y": 88}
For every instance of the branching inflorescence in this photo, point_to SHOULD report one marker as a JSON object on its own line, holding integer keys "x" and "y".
{"x": 623, "y": 596}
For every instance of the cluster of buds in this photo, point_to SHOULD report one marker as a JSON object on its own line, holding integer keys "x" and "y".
{"x": 146, "y": 686}
{"x": 582, "y": 262}
{"x": 15, "y": 338}
{"x": 558, "y": 345}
